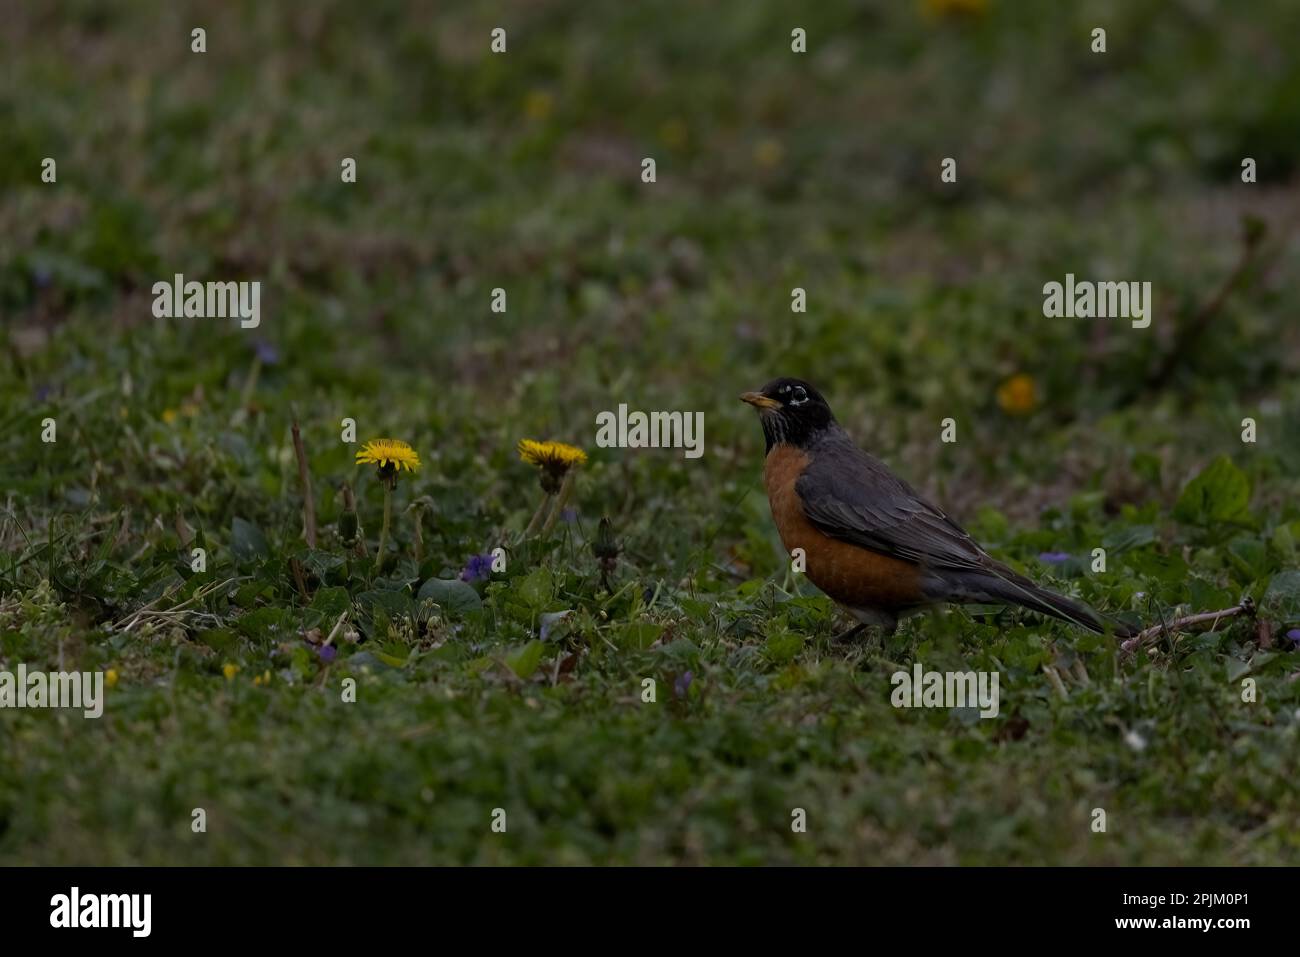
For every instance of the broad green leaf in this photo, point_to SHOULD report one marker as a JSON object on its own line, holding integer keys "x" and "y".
{"x": 266, "y": 624}
{"x": 331, "y": 602}
{"x": 247, "y": 541}
{"x": 320, "y": 563}
{"x": 523, "y": 661}
{"x": 639, "y": 635}
{"x": 1281, "y": 601}
{"x": 1220, "y": 493}
{"x": 536, "y": 588}
{"x": 1250, "y": 557}
{"x": 1134, "y": 536}
{"x": 782, "y": 646}
{"x": 454, "y": 596}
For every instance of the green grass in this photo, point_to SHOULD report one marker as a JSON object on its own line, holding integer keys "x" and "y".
{"x": 521, "y": 171}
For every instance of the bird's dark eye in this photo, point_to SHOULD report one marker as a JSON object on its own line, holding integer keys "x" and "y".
{"x": 799, "y": 396}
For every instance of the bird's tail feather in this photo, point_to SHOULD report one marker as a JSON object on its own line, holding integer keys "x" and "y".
{"x": 1018, "y": 590}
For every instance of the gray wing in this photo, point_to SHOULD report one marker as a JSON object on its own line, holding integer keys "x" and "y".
{"x": 853, "y": 497}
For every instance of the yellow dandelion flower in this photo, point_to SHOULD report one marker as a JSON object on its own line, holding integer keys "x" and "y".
{"x": 110, "y": 677}
{"x": 551, "y": 454}
{"x": 554, "y": 459}
{"x": 388, "y": 453}
{"x": 1018, "y": 395}
{"x": 229, "y": 671}
{"x": 169, "y": 416}
{"x": 390, "y": 456}
{"x": 263, "y": 679}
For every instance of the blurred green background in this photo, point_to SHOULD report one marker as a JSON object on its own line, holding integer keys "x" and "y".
{"x": 521, "y": 171}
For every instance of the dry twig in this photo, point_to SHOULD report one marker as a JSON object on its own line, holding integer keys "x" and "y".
{"x": 1211, "y": 618}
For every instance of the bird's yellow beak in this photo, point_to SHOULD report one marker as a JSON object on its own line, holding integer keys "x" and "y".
{"x": 760, "y": 401}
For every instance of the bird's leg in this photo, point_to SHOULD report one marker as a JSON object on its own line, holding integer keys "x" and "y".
{"x": 886, "y": 621}
{"x": 851, "y": 633}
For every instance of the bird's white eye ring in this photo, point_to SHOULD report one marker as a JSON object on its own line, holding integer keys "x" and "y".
{"x": 800, "y": 396}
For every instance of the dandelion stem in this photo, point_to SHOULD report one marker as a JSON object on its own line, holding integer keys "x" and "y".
{"x": 304, "y": 479}
{"x": 537, "y": 515}
{"x": 560, "y": 500}
{"x": 383, "y": 532}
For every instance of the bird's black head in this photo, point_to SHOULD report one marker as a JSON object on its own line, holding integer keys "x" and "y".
{"x": 791, "y": 411}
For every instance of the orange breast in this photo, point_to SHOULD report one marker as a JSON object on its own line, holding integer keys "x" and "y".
{"x": 853, "y": 576}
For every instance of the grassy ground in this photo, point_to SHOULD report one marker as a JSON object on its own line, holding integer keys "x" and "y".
{"x": 522, "y": 171}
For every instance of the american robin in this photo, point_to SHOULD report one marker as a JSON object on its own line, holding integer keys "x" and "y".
{"x": 870, "y": 542}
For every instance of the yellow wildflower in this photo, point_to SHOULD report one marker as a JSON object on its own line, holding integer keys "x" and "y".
{"x": 389, "y": 453}
{"x": 1018, "y": 395}
{"x": 390, "y": 456}
{"x": 110, "y": 677}
{"x": 554, "y": 459}
{"x": 551, "y": 454}
{"x": 538, "y": 104}
{"x": 229, "y": 671}
{"x": 555, "y": 462}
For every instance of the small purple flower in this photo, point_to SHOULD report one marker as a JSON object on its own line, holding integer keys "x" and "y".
{"x": 1054, "y": 558}
{"x": 569, "y": 516}
{"x": 327, "y": 653}
{"x": 266, "y": 352}
{"x": 477, "y": 569}
{"x": 683, "y": 684}
{"x": 1293, "y": 636}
